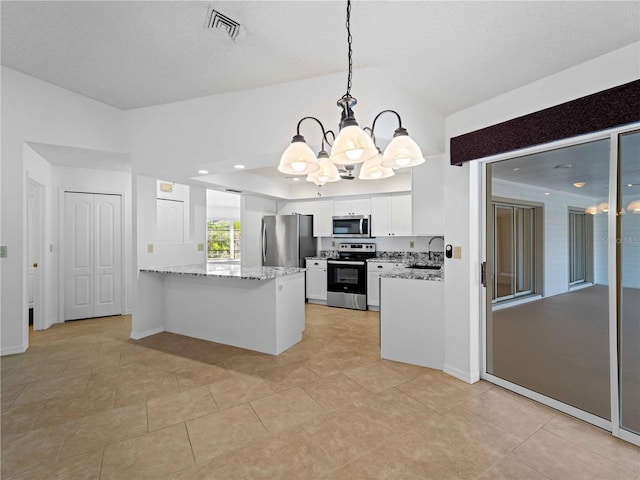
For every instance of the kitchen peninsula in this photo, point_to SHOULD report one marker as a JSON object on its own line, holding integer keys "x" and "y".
{"x": 257, "y": 308}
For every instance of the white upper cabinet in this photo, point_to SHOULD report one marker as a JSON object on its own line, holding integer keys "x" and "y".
{"x": 391, "y": 215}
{"x": 344, "y": 208}
{"x": 428, "y": 197}
{"x": 322, "y": 211}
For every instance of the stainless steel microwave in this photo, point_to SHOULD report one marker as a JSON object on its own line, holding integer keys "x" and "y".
{"x": 352, "y": 226}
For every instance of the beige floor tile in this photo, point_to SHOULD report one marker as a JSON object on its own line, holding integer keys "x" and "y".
{"x": 434, "y": 393}
{"x": 376, "y": 377}
{"x": 348, "y": 433}
{"x": 220, "y": 432}
{"x": 519, "y": 418}
{"x": 470, "y": 436}
{"x": 597, "y": 440}
{"x": 95, "y": 431}
{"x": 22, "y": 417}
{"x": 177, "y": 407}
{"x": 561, "y": 459}
{"x": 24, "y": 375}
{"x": 56, "y": 387}
{"x": 22, "y": 360}
{"x": 155, "y": 385}
{"x": 286, "y": 409}
{"x": 410, "y": 457}
{"x": 336, "y": 391}
{"x": 406, "y": 370}
{"x": 69, "y": 352}
{"x": 284, "y": 377}
{"x": 251, "y": 362}
{"x": 121, "y": 374}
{"x": 93, "y": 363}
{"x": 199, "y": 375}
{"x": 332, "y": 363}
{"x": 239, "y": 389}
{"x": 9, "y": 394}
{"x": 508, "y": 468}
{"x": 27, "y": 450}
{"x": 82, "y": 467}
{"x": 92, "y": 400}
{"x": 151, "y": 455}
{"x": 283, "y": 457}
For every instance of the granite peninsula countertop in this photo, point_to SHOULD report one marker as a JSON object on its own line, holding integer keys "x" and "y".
{"x": 415, "y": 274}
{"x": 227, "y": 271}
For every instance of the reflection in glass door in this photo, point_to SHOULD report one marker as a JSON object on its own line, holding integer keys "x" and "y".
{"x": 556, "y": 344}
{"x": 628, "y": 254}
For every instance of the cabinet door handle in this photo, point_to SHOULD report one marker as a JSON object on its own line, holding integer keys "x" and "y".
{"x": 316, "y": 263}
{"x": 380, "y": 266}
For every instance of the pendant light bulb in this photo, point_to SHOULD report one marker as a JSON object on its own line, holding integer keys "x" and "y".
{"x": 327, "y": 171}
{"x": 372, "y": 169}
{"x": 352, "y": 145}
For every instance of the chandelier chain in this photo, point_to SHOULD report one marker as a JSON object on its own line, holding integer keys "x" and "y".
{"x": 349, "y": 42}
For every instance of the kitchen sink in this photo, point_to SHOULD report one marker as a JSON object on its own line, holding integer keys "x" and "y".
{"x": 424, "y": 267}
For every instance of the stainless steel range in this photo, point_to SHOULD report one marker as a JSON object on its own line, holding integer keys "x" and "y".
{"x": 347, "y": 276}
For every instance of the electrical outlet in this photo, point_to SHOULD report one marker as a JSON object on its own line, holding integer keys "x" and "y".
{"x": 333, "y": 243}
{"x": 457, "y": 252}
{"x": 3, "y": 251}
{"x": 412, "y": 244}
{"x": 201, "y": 247}
{"x": 149, "y": 247}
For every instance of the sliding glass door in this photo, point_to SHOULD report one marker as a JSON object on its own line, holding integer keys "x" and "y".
{"x": 574, "y": 342}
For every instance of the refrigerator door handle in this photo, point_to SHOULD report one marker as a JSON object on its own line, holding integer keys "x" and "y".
{"x": 264, "y": 243}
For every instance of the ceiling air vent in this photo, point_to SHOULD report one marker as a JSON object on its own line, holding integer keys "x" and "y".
{"x": 220, "y": 22}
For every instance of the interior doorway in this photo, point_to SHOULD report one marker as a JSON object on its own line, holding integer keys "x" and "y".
{"x": 35, "y": 252}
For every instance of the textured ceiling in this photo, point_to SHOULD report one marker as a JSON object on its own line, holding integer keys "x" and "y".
{"x": 453, "y": 54}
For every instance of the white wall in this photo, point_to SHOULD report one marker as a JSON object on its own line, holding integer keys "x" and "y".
{"x": 462, "y": 190}
{"x": 35, "y": 111}
{"x": 252, "y": 210}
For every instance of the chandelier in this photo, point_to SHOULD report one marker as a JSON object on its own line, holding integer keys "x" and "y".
{"x": 352, "y": 146}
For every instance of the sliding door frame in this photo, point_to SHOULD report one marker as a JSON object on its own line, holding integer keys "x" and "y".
{"x": 614, "y": 278}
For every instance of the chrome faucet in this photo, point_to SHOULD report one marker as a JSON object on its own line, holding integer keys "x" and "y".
{"x": 432, "y": 239}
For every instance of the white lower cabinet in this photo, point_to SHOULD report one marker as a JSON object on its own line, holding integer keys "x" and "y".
{"x": 317, "y": 281}
{"x": 412, "y": 321}
{"x": 374, "y": 269}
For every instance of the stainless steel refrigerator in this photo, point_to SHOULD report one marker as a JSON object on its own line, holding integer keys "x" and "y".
{"x": 287, "y": 240}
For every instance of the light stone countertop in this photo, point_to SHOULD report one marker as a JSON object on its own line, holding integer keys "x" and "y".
{"x": 415, "y": 274}
{"x": 227, "y": 271}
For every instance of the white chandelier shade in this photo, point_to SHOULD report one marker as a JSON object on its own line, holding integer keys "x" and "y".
{"x": 402, "y": 152}
{"x": 298, "y": 159}
{"x": 372, "y": 169}
{"x": 352, "y": 146}
{"x": 327, "y": 172}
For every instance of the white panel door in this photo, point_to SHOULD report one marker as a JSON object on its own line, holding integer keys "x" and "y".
{"x": 108, "y": 255}
{"x": 92, "y": 255}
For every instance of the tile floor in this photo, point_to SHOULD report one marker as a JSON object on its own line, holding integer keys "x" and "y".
{"x": 85, "y": 402}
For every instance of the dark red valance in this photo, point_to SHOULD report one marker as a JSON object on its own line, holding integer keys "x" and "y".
{"x": 610, "y": 108}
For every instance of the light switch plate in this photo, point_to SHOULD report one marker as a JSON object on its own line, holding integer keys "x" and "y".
{"x": 3, "y": 251}
{"x": 412, "y": 244}
{"x": 457, "y": 252}
{"x": 149, "y": 247}
{"x": 201, "y": 247}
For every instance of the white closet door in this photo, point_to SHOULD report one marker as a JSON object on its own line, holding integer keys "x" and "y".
{"x": 108, "y": 255}
{"x": 92, "y": 255}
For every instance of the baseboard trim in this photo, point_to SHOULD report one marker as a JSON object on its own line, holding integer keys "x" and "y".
{"x": 146, "y": 333}
{"x": 13, "y": 350}
{"x": 462, "y": 375}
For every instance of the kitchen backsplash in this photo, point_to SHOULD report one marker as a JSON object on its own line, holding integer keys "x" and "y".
{"x": 417, "y": 257}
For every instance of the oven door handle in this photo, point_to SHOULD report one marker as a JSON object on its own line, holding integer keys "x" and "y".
{"x": 345, "y": 262}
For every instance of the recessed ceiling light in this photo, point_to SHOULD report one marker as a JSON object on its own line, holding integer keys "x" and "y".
{"x": 579, "y": 184}
{"x": 238, "y": 166}
{"x": 203, "y": 172}
{"x": 296, "y": 179}
{"x": 566, "y": 165}
{"x": 516, "y": 169}
{"x": 629, "y": 184}
{"x": 547, "y": 193}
